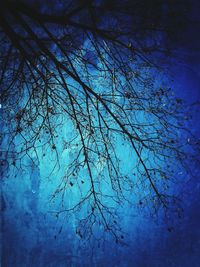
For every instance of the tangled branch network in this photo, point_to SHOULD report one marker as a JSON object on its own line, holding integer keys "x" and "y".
{"x": 82, "y": 89}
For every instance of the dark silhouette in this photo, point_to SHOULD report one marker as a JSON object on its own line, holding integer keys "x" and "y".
{"x": 95, "y": 65}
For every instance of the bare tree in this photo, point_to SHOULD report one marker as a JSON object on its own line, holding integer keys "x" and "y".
{"x": 90, "y": 65}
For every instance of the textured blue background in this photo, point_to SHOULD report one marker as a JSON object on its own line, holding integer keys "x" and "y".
{"x": 30, "y": 233}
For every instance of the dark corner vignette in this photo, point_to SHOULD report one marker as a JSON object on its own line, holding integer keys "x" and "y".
{"x": 100, "y": 133}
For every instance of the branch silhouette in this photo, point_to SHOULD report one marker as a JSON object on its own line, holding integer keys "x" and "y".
{"x": 92, "y": 65}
